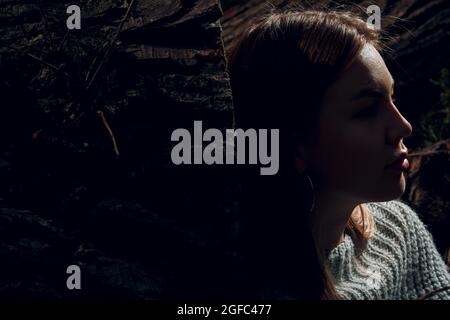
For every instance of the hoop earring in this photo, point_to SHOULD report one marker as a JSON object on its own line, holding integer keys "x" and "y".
{"x": 313, "y": 198}
{"x": 302, "y": 169}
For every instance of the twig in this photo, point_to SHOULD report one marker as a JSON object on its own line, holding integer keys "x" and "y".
{"x": 106, "y": 54}
{"x": 92, "y": 65}
{"x": 25, "y": 37}
{"x": 37, "y": 58}
{"x": 47, "y": 30}
{"x": 63, "y": 41}
{"x": 426, "y": 153}
{"x": 108, "y": 128}
{"x": 432, "y": 293}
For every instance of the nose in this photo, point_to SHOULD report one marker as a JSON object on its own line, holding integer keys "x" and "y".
{"x": 398, "y": 127}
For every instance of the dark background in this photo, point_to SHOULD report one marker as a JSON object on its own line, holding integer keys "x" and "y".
{"x": 85, "y": 123}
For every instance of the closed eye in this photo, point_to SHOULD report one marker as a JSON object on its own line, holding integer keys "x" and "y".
{"x": 367, "y": 112}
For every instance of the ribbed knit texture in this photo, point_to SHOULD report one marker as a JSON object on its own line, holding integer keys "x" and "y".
{"x": 399, "y": 262}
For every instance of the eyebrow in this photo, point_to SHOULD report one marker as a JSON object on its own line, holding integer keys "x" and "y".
{"x": 370, "y": 93}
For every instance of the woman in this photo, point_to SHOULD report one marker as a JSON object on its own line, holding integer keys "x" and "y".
{"x": 329, "y": 225}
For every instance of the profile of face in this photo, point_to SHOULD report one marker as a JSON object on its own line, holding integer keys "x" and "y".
{"x": 360, "y": 132}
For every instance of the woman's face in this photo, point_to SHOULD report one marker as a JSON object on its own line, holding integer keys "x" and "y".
{"x": 360, "y": 132}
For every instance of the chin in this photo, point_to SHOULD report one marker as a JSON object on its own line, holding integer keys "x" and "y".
{"x": 392, "y": 188}
{"x": 387, "y": 189}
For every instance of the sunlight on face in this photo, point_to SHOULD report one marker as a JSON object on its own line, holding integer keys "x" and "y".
{"x": 360, "y": 132}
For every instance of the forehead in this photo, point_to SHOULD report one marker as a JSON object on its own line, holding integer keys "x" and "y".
{"x": 368, "y": 70}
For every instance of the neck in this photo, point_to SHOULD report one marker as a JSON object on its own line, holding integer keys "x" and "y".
{"x": 329, "y": 219}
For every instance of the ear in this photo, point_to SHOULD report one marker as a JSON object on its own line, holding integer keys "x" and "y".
{"x": 300, "y": 159}
{"x": 300, "y": 164}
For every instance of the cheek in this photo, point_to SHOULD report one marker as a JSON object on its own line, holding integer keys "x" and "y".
{"x": 347, "y": 154}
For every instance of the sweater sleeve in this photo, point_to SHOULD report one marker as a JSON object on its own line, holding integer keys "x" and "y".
{"x": 427, "y": 274}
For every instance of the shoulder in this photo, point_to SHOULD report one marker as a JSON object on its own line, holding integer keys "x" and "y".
{"x": 395, "y": 214}
{"x": 397, "y": 225}
{"x": 394, "y": 218}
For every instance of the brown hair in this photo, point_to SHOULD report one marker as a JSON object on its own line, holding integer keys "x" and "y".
{"x": 279, "y": 70}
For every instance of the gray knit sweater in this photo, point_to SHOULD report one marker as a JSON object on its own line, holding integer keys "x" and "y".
{"x": 399, "y": 262}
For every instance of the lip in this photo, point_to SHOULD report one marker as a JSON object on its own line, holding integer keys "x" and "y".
{"x": 401, "y": 163}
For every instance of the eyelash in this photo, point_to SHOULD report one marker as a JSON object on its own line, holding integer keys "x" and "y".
{"x": 367, "y": 112}
{"x": 370, "y": 111}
